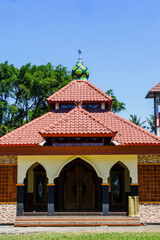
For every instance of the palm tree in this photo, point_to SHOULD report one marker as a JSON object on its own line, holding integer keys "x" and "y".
{"x": 150, "y": 122}
{"x": 117, "y": 106}
{"x": 134, "y": 119}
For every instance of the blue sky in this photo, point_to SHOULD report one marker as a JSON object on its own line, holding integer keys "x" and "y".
{"x": 120, "y": 42}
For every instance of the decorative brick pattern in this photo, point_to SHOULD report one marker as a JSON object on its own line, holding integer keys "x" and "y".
{"x": 149, "y": 213}
{"x": 8, "y": 180}
{"x": 149, "y": 158}
{"x": 7, "y": 213}
{"x": 8, "y": 159}
{"x": 149, "y": 182}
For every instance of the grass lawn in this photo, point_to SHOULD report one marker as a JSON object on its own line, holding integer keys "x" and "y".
{"x": 84, "y": 236}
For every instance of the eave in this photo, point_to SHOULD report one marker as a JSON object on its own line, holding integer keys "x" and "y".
{"x": 85, "y": 150}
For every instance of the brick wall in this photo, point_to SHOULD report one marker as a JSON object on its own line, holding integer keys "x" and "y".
{"x": 149, "y": 182}
{"x": 149, "y": 213}
{"x": 7, "y": 213}
{"x": 8, "y": 180}
{"x": 149, "y": 188}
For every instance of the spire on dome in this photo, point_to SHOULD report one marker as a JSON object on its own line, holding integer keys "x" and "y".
{"x": 80, "y": 71}
{"x": 79, "y": 58}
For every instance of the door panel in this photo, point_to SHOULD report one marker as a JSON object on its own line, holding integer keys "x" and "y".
{"x": 87, "y": 190}
{"x": 71, "y": 187}
{"x": 79, "y": 189}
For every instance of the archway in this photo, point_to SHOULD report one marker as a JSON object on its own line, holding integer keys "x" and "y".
{"x": 35, "y": 189}
{"x": 119, "y": 187}
{"x": 78, "y": 188}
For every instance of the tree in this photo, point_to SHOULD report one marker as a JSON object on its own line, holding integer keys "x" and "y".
{"x": 150, "y": 121}
{"x": 23, "y": 92}
{"x": 134, "y": 119}
{"x": 117, "y": 106}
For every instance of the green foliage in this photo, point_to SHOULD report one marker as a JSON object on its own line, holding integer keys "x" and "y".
{"x": 134, "y": 119}
{"x": 150, "y": 122}
{"x": 23, "y": 92}
{"x": 117, "y": 106}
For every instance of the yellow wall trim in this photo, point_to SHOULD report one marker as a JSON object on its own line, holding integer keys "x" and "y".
{"x": 8, "y": 202}
{"x": 51, "y": 184}
{"x": 21, "y": 184}
{"x": 103, "y": 184}
{"x": 53, "y": 164}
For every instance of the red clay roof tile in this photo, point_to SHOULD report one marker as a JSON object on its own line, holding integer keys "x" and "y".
{"x": 79, "y": 90}
{"x": 156, "y": 88}
{"x": 128, "y": 133}
{"x": 78, "y": 122}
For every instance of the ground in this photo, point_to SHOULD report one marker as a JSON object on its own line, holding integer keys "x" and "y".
{"x": 72, "y": 233}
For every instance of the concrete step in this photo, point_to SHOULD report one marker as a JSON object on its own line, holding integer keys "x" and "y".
{"x": 117, "y": 213}
{"x": 75, "y": 221}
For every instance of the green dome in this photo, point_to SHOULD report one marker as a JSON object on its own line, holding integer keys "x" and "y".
{"x": 80, "y": 71}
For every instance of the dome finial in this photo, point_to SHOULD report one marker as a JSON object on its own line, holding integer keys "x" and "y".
{"x": 80, "y": 71}
{"x": 79, "y": 58}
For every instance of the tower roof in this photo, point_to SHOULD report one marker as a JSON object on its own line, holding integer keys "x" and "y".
{"x": 155, "y": 89}
{"x": 79, "y": 91}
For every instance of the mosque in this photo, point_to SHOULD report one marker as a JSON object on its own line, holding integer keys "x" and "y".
{"x": 79, "y": 159}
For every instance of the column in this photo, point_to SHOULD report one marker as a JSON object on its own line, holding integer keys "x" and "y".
{"x": 51, "y": 187}
{"x": 134, "y": 189}
{"x": 20, "y": 199}
{"x": 105, "y": 199}
{"x": 156, "y": 117}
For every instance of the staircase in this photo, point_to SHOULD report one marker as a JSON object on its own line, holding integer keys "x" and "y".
{"x": 75, "y": 220}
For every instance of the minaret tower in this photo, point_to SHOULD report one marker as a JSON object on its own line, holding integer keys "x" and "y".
{"x": 155, "y": 93}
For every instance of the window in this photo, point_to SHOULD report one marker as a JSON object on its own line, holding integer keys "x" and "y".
{"x": 102, "y": 141}
{"x": 89, "y": 106}
{"x": 78, "y": 140}
{"x": 67, "y": 106}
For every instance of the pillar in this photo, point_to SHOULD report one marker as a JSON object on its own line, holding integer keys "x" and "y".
{"x": 134, "y": 189}
{"x": 105, "y": 199}
{"x": 156, "y": 117}
{"x": 20, "y": 199}
{"x": 51, "y": 188}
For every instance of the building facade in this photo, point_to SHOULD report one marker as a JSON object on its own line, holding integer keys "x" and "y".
{"x": 79, "y": 157}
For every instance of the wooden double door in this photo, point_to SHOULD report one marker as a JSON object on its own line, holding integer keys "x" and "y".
{"x": 79, "y": 189}
{"x": 78, "y": 186}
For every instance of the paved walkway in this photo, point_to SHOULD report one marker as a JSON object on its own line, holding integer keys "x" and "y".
{"x": 26, "y": 230}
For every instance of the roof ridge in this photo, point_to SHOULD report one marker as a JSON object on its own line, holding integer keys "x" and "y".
{"x": 98, "y": 89}
{"x": 25, "y": 125}
{"x": 60, "y": 90}
{"x": 83, "y": 81}
{"x": 98, "y": 120}
{"x": 83, "y": 111}
{"x": 136, "y": 126}
{"x": 152, "y": 89}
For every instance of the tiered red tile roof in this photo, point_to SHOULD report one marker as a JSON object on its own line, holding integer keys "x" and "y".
{"x": 79, "y": 90}
{"x": 155, "y": 89}
{"x": 79, "y": 121}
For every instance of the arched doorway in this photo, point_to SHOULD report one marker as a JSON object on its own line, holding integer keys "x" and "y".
{"x": 78, "y": 188}
{"x": 35, "y": 189}
{"x": 119, "y": 187}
